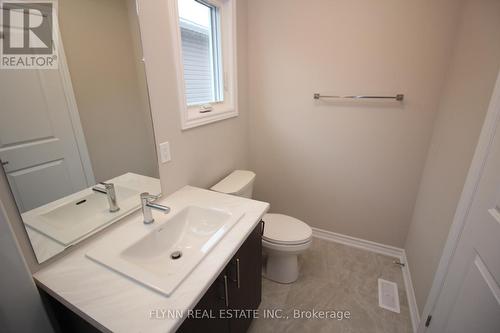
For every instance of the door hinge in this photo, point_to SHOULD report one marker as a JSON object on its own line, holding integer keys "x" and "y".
{"x": 428, "y": 321}
{"x": 399, "y": 263}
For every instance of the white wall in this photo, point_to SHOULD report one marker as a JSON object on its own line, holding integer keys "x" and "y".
{"x": 21, "y": 308}
{"x": 350, "y": 167}
{"x": 471, "y": 77}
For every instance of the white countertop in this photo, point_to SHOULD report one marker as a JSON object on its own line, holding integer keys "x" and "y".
{"x": 112, "y": 302}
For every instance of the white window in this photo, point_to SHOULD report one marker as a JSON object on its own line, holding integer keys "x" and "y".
{"x": 205, "y": 52}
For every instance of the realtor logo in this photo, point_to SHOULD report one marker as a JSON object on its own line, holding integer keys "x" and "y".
{"x": 28, "y": 37}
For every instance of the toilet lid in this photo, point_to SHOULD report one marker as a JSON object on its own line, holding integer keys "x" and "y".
{"x": 283, "y": 229}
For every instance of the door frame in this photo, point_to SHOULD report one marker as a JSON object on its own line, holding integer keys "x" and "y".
{"x": 476, "y": 169}
{"x": 73, "y": 108}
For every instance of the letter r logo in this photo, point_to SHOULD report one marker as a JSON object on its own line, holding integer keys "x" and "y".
{"x": 27, "y": 27}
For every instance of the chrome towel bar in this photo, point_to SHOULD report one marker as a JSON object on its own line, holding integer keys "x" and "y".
{"x": 398, "y": 97}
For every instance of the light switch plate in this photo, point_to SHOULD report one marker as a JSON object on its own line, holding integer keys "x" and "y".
{"x": 165, "y": 152}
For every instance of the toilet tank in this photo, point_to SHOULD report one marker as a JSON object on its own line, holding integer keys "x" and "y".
{"x": 239, "y": 182}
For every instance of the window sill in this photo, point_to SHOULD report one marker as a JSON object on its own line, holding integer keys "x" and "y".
{"x": 196, "y": 119}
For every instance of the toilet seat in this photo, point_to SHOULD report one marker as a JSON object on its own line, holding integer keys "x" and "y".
{"x": 285, "y": 230}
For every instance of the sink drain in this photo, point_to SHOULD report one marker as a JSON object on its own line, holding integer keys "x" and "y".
{"x": 176, "y": 255}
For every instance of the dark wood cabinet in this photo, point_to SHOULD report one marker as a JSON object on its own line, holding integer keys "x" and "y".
{"x": 207, "y": 311}
{"x": 62, "y": 318}
{"x": 234, "y": 294}
{"x": 245, "y": 286}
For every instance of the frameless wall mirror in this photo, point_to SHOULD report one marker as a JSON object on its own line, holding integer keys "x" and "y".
{"x": 76, "y": 143}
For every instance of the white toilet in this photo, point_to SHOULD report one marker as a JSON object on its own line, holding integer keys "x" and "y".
{"x": 284, "y": 237}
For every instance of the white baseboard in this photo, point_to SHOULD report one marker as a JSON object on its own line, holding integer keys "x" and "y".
{"x": 387, "y": 250}
{"x": 383, "y": 249}
{"x": 410, "y": 292}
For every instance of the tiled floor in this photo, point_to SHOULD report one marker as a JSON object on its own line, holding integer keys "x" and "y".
{"x": 335, "y": 277}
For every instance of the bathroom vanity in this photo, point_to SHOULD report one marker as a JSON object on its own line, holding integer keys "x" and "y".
{"x": 227, "y": 277}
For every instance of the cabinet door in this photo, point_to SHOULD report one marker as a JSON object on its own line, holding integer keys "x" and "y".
{"x": 211, "y": 303}
{"x": 245, "y": 280}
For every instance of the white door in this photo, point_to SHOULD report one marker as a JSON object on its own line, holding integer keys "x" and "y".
{"x": 38, "y": 147}
{"x": 470, "y": 297}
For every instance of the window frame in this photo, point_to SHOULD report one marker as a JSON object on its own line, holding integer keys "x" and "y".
{"x": 190, "y": 114}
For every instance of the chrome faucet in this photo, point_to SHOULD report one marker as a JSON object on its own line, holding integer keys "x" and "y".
{"x": 109, "y": 190}
{"x": 147, "y": 203}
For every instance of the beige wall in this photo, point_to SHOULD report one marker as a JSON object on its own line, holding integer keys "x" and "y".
{"x": 105, "y": 70}
{"x": 472, "y": 73}
{"x": 203, "y": 155}
{"x": 350, "y": 167}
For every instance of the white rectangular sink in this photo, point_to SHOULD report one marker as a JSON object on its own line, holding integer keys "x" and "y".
{"x": 151, "y": 259}
{"x": 76, "y": 218}
{"x": 84, "y": 209}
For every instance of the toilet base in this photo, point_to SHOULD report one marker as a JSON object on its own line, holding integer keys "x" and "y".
{"x": 282, "y": 264}
{"x": 281, "y": 268}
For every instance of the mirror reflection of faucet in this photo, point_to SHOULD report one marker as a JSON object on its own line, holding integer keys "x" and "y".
{"x": 109, "y": 190}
